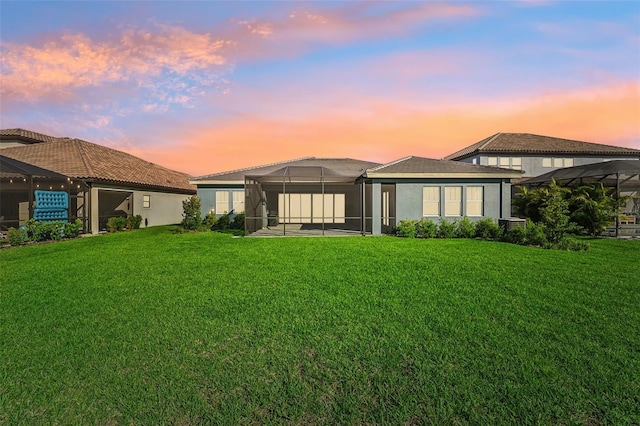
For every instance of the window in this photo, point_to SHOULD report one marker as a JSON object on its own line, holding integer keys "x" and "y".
{"x": 311, "y": 208}
{"x": 474, "y": 200}
{"x": 238, "y": 202}
{"x": 431, "y": 201}
{"x": 474, "y": 161}
{"x": 557, "y": 162}
{"x": 146, "y": 201}
{"x": 516, "y": 163}
{"x": 504, "y": 162}
{"x": 453, "y": 201}
{"x": 492, "y": 161}
{"x": 222, "y": 202}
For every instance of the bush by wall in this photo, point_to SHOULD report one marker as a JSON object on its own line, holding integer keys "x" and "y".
{"x": 17, "y": 237}
{"x": 464, "y": 228}
{"x": 116, "y": 224}
{"x": 134, "y": 222}
{"x": 488, "y": 229}
{"x": 406, "y": 228}
{"x": 446, "y": 229}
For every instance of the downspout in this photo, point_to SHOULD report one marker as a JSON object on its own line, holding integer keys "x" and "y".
{"x": 285, "y": 204}
{"x": 617, "y": 204}
{"x": 322, "y": 185}
{"x": 30, "y": 197}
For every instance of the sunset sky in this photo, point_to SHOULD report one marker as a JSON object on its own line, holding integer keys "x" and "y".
{"x": 203, "y": 87}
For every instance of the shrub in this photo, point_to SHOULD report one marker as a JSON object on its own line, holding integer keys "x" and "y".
{"x": 222, "y": 224}
{"x": 406, "y": 228}
{"x": 238, "y": 221}
{"x": 191, "y": 217}
{"x": 44, "y": 231}
{"x": 464, "y": 228}
{"x": 72, "y": 229}
{"x": 571, "y": 245}
{"x": 116, "y": 224}
{"x": 535, "y": 234}
{"x": 516, "y": 235}
{"x": 446, "y": 229}
{"x": 17, "y": 236}
{"x": 426, "y": 228}
{"x": 487, "y": 229}
{"x": 209, "y": 221}
{"x": 133, "y": 222}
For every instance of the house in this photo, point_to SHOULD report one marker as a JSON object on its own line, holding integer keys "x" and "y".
{"x": 536, "y": 155}
{"x": 341, "y": 196}
{"x": 99, "y": 183}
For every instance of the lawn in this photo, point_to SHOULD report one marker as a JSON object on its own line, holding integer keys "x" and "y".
{"x": 153, "y": 327}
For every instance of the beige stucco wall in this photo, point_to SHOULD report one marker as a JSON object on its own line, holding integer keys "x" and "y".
{"x": 165, "y": 208}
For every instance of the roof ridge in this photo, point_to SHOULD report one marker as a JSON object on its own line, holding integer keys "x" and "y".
{"x": 490, "y": 139}
{"x": 244, "y": 169}
{"x": 83, "y": 154}
{"x": 382, "y": 166}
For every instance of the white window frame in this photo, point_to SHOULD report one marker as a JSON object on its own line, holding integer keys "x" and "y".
{"x": 431, "y": 200}
{"x": 475, "y": 201}
{"x": 453, "y": 201}
{"x": 146, "y": 201}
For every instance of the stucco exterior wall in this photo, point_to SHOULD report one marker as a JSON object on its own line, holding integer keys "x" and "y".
{"x": 164, "y": 208}
{"x": 207, "y": 197}
{"x": 532, "y": 165}
{"x": 496, "y": 197}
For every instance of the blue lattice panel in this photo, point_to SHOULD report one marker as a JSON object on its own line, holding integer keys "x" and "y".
{"x": 50, "y": 215}
{"x": 52, "y": 200}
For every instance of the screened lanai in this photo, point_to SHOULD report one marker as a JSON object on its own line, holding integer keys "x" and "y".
{"x": 623, "y": 175}
{"x": 306, "y": 200}
{"x": 22, "y": 184}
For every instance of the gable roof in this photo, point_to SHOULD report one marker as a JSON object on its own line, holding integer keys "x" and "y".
{"x": 527, "y": 143}
{"x": 347, "y": 167}
{"x": 80, "y": 159}
{"x": 420, "y": 167}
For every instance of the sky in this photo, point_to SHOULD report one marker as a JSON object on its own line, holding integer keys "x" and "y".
{"x": 204, "y": 87}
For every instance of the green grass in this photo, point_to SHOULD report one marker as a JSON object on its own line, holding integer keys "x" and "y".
{"x": 152, "y": 327}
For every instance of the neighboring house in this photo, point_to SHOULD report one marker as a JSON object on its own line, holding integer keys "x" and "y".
{"x": 536, "y": 155}
{"x": 100, "y": 182}
{"x": 319, "y": 195}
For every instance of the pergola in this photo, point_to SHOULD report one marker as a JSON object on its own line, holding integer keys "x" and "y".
{"x": 623, "y": 175}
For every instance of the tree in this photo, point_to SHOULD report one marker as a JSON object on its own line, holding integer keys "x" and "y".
{"x": 192, "y": 218}
{"x": 594, "y": 207}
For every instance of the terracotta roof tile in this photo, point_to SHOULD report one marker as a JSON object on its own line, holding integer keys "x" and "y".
{"x": 526, "y": 143}
{"x": 80, "y": 159}
{"x": 26, "y": 135}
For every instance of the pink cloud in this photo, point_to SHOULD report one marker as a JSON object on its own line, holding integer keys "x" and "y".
{"x": 58, "y": 68}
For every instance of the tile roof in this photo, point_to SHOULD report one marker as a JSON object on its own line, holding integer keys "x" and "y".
{"x": 527, "y": 143}
{"x": 342, "y": 166}
{"x": 26, "y": 135}
{"x": 421, "y": 166}
{"x": 80, "y": 159}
